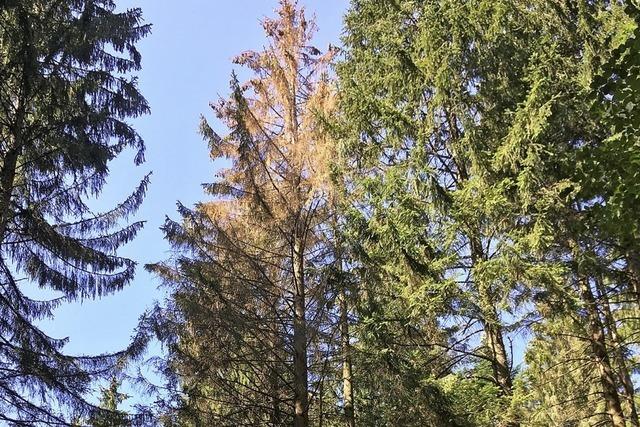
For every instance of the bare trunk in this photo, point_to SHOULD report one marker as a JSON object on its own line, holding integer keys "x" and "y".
{"x": 7, "y": 179}
{"x": 623, "y": 371}
{"x": 301, "y": 398}
{"x": 8, "y": 173}
{"x": 599, "y": 349}
{"x": 347, "y": 379}
{"x": 10, "y": 160}
{"x": 321, "y": 404}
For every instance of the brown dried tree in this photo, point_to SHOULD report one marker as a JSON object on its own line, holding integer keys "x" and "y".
{"x": 255, "y": 314}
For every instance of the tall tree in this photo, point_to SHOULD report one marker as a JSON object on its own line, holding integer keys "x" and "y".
{"x": 65, "y": 94}
{"x": 424, "y": 208}
{"x": 472, "y": 160}
{"x": 583, "y": 241}
{"x": 482, "y": 199}
{"x": 250, "y": 283}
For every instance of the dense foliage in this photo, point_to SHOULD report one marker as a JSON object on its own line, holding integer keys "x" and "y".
{"x": 489, "y": 161}
{"x": 434, "y": 225}
{"x": 482, "y": 230}
{"x": 65, "y": 94}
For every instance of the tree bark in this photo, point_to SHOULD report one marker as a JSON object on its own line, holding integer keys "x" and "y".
{"x": 7, "y": 179}
{"x": 10, "y": 160}
{"x": 623, "y": 371}
{"x": 633, "y": 268}
{"x": 502, "y": 372}
{"x": 347, "y": 374}
{"x": 599, "y": 349}
{"x": 493, "y": 329}
{"x": 301, "y": 396}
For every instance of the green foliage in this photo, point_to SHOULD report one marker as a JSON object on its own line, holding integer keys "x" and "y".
{"x": 484, "y": 172}
{"x": 487, "y": 164}
{"x": 111, "y": 399}
{"x": 475, "y": 399}
{"x": 66, "y": 92}
{"x": 610, "y": 170}
{"x": 560, "y": 385}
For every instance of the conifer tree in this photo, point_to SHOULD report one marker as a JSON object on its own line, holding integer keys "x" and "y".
{"x": 251, "y": 299}
{"x": 65, "y": 94}
{"x": 111, "y": 400}
{"x": 593, "y": 292}
{"x": 482, "y": 199}
{"x": 474, "y": 153}
{"x": 423, "y": 208}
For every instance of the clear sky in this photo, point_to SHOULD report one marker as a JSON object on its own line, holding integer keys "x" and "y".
{"x": 186, "y": 65}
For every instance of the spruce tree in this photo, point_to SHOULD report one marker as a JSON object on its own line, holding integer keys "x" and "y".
{"x": 110, "y": 400}
{"x": 252, "y": 307}
{"x": 483, "y": 188}
{"x": 66, "y": 92}
{"x": 425, "y": 214}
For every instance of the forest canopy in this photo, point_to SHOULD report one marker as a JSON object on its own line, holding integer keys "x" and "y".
{"x": 433, "y": 221}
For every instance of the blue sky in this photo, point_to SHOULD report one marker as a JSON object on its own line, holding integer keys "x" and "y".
{"x": 186, "y": 65}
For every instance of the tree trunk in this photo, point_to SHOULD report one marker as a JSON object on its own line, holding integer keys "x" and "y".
{"x": 493, "y": 329}
{"x": 623, "y": 371}
{"x": 276, "y": 413}
{"x": 8, "y": 172}
{"x": 301, "y": 396}
{"x": 7, "y": 178}
{"x": 347, "y": 379}
{"x": 502, "y": 372}
{"x": 633, "y": 267}
{"x": 599, "y": 348}
{"x": 10, "y": 160}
